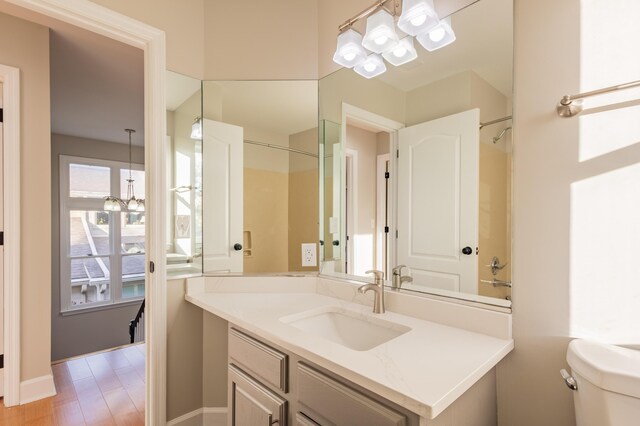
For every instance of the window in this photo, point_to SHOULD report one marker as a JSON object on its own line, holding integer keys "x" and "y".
{"x": 102, "y": 254}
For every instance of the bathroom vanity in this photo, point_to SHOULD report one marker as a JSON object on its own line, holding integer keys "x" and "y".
{"x": 309, "y": 351}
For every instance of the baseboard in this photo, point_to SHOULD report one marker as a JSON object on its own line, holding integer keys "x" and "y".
{"x": 37, "y": 388}
{"x": 206, "y": 416}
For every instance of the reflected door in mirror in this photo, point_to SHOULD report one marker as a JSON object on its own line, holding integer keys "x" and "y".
{"x": 222, "y": 196}
{"x": 438, "y": 201}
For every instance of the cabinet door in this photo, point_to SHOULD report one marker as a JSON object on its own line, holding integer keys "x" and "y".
{"x": 252, "y": 404}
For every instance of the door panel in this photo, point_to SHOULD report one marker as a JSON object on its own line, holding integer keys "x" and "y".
{"x": 438, "y": 201}
{"x": 222, "y": 196}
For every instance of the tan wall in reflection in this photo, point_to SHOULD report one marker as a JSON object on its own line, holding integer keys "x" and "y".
{"x": 266, "y": 216}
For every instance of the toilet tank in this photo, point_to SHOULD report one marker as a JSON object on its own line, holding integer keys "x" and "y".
{"x": 608, "y": 379}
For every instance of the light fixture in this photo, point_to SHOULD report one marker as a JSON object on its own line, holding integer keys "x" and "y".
{"x": 439, "y": 36}
{"x": 371, "y": 67}
{"x": 417, "y": 16}
{"x": 116, "y": 204}
{"x": 381, "y": 34}
{"x": 404, "y": 52}
{"x": 349, "y": 51}
{"x": 196, "y": 129}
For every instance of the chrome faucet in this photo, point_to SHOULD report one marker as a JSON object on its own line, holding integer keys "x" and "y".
{"x": 397, "y": 278}
{"x": 378, "y": 288}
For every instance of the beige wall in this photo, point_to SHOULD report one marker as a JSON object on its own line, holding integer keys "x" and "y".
{"x": 303, "y": 197}
{"x": 257, "y": 40}
{"x": 185, "y": 352}
{"x": 266, "y": 215}
{"x": 493, "y": 233}
{"x": 183, "y": 23}
{"x": 214, "y": 356}
{"x": 26, "y": 46}
{"x": 545, "y": 149}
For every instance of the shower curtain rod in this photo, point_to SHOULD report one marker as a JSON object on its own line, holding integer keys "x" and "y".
{"x": 283, "y": 148}
{"x": 509, "y": 117}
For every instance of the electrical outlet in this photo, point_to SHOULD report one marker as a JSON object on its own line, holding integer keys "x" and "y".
{"x": 309, "y": 254}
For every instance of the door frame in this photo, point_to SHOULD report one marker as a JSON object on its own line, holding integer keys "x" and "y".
{"x": 10, "y": 78}
{"x": 106, "y": 22}
{"x": 381, "y": 124}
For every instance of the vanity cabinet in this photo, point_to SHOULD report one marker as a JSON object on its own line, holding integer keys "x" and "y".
{"x": 269, "y": 386}
{"x": 252, "y": 404}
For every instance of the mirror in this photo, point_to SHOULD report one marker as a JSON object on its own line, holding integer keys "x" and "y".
{"x": 260, "y": 176}
{"x": 408, "y": 175}
{"x": 184, "y": 176}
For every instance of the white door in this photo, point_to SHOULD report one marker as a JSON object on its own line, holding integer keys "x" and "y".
{"x": 222, "y": 192}
{"x": 438, "y": 201}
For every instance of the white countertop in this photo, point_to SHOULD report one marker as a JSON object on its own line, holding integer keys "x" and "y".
{"x": 423, "y": 370}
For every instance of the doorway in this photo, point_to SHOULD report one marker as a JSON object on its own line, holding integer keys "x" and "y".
{"x": 116, "y": 26}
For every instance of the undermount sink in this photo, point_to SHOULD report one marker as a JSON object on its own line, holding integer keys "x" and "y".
{"x": 347, "y": 328}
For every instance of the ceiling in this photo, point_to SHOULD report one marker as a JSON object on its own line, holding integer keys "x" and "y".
{"x": 484, "y": 44}
{"x": 97, "y": 84}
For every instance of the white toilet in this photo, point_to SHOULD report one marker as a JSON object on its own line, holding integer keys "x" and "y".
{"x": 607, "y": 382}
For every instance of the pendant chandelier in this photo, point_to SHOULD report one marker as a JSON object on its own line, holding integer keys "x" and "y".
{"x": 115, "y": 204}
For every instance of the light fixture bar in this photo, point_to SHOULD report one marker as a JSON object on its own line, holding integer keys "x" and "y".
{"x": 365, "y": 13}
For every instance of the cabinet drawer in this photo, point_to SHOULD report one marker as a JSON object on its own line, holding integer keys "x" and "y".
{"x": 252, "y": 404}
{"x": 331, "y": 402}
{"x": 269, "y": 364}
{"x": 302, "y": 420}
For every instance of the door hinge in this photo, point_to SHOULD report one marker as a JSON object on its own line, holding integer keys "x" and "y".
{"x": 2, "y": 361}
{"x": 396, "y": 233}
{"x": 1, "y": 238}
{"x": 386, "y": 229}
{"x": 397, "y": 153}
{"x": 1, "y": 115}
{"x": 152, "y": 267}
{"x": 386, "y": 175}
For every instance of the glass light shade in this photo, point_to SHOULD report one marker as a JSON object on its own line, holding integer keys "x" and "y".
{"x": 381, "y": 34}
{"x": 132, "y": 204}
{"x": 404, "y": 52}
{"x": 140, "y": 206}
{"x": 196, "y": 129}
{"x": 111, "y": 205}
{"x": 439, "y": 36}
{"x": 371, "y": 67}
{"x": 417, "y": 16}
{"x": 349, "y": 51}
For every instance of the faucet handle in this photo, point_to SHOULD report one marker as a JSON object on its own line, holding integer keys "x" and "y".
{"x": 379, "y": 275}
{"x": 398, "y": 269}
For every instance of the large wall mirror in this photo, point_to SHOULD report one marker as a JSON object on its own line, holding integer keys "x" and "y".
{"x": 242, "y": 176}
{"x": 416, "y": 165}
{"x": 260, "y": 174}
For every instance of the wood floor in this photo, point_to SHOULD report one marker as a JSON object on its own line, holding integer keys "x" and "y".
{"x": 100, "y": 389}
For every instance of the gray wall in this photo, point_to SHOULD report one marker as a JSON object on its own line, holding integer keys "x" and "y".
{"x": 82, "y": 333}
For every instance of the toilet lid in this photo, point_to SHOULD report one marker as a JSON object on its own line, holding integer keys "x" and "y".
{"x": 609, "y": 367}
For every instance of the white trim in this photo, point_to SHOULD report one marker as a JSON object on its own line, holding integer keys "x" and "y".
{"x": 378, "y": 123}
{"x": 98, "y": 19}
{"x": 381, "y": 211}
{"x": 10, "y": 78}
{"x": 38, "y": 388}
{"x": 206, "y": 416}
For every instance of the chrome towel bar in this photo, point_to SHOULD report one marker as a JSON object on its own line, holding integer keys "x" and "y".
{"x": 571, "y": 105}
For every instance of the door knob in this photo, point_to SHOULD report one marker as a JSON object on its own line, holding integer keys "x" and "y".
{"x": 237, "y": 246}
{"x": 467, "y": 250}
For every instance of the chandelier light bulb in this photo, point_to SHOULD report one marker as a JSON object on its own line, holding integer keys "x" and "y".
{"x": 371, "y": 67}
{"x": 437, "y": 34}
{"x": 349, "y": 56}
{"x": 381, "y": 32}
{"x": 418, "y": 20}
{"x": 403, "y": 53}
{"x": 418, "y": 16}
{"x": 399, "y": 51}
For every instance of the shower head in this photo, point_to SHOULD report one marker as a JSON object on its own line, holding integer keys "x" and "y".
{"x": 568, "y": 107}
{"x": 501, "y": 134}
